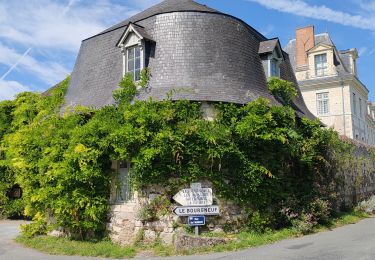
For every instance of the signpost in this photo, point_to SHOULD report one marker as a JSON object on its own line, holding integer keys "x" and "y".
{"x": 196, "y": 204}
{"x": 194, "y": 197}
{"x": 196, "y": 221}
{"x": 192, "y": 211}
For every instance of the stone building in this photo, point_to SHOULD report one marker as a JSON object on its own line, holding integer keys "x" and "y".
{"x": 330, "y": 84}
{"x": 193, "y": 51}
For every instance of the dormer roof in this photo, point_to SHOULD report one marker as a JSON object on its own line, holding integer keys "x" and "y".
{"x": 319, "y": 45}
{"x": 138, "y": 30}
{"x": 269, "y": 46}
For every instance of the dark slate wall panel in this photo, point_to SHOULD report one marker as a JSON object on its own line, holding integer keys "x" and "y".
{"x": 203, "y": 56}
{"x": 198, "y": 56}
{"x": 97, "y": 72}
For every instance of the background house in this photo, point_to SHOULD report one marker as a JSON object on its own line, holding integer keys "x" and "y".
{"x": 330, "y": 85}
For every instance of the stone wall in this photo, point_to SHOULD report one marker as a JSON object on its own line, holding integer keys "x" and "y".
{"x": 126, "y": 226}
{"x": 356, "y": 175}
{"x": 354, "y": 182}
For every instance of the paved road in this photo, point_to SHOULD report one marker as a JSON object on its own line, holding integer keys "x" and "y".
{"x": 352, "y": 242}
{"x": 10, "y": 250}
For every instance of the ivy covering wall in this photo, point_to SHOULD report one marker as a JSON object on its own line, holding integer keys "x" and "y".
{"x": 277, "y": 166}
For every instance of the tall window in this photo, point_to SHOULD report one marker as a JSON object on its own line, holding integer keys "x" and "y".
{"x": 354, "y": 104}
{"x": 274, "y": 68}
{"x": 322, "y": 103}
{"x": 321, "y": 67}
{"x": 360, "y": 108}
{"x": 123, "y": 186}
{"x": 134, "y": 62}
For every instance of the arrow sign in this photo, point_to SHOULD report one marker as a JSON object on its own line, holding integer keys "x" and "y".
{"x": 204, "y": 210}
{"x": 194, "y": 197}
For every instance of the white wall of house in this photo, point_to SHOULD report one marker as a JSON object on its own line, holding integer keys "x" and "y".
{"x": 348, "y": 111}
{"x": 330, "y": 85}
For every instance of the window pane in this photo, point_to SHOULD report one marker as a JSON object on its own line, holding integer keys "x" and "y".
{"x": 137, "y": 63}
{"x": 322, "y": 103}
{"x": 123, "y": 191}
{"x": 131, "y": 53}
{"x": 321, "y": 67}
{"x": 137, "y": 75}
{"x": 130, "y": 65}
{"x": 137, "y": 51}
{"x": 274, "y": 68}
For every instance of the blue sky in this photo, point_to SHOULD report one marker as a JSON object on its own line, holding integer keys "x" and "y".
{"x": 40, "y": 39}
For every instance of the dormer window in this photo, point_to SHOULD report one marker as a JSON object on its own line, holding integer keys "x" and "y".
{"x": 272, "y": 56}
{"x": 134, "y": 62}
{"x": 274, "y": 68}
{"x": 133, "y": 44}
{"x": 321, "y": 66}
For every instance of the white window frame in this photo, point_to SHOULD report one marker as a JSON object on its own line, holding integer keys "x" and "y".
{"x": 322, "y": 103}
{"x": 135, "y": 40}
{"x": 141, "y": 57}
{"x": 123, "y": 192}
{"x": 323, "y": 68}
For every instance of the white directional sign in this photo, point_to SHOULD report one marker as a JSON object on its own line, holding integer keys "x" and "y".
{"x": 194, "y": 197}
{"x": 204, "y": 210}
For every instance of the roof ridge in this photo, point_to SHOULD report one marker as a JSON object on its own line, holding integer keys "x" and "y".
{"x": 166, "y": 6}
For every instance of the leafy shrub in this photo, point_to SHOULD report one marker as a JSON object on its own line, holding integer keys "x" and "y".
{"x": 156, "y": 208}
{"x": 127, "y": 90}
{"x": 259, "y": 223}
{"x": 35, "y": 228}
{"x": 62, "y": 162}
{"x": 367, "y": 206}
{"x": 14, "y": 208}
{"x": 305, "y": 223}
{"x": 282, "y": 89}
{"x": 321, "y": 210}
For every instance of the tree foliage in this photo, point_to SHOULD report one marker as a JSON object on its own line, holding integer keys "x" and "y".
{"x": 258, "y": 155}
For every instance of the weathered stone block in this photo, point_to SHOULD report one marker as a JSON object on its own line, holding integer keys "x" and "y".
{"x": 188, "y": 242}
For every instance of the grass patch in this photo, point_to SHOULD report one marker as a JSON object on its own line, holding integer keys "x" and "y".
{"x": 247, "y": 239}
{"x": 65, "y": 246}
{"x": 242, "y": 240}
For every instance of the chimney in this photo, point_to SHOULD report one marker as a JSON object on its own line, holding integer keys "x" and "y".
{"x": 305, "y": 40}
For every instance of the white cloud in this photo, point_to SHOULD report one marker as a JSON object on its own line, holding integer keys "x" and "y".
{"x": 267, "y": 30}
{"x": 67, "y": 8}
{"x": 57, "y": 24}
{"x": 54, "y": 30}
{"x": 321, "y": 12}
{"x": 362, "y": 51}
{"x": 48, "y": 71}
{"x": 367, "y": 6}
{"x": 8, "y": 89}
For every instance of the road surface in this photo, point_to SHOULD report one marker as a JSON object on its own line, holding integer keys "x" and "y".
{"x": 354, "y": 242}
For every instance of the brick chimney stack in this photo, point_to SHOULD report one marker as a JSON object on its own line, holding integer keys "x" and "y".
{"x": 305, "y": 40}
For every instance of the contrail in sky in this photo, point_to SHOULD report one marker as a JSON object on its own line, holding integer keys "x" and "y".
{"x": 15, "y": 64}
{"x": 66, "y": 9}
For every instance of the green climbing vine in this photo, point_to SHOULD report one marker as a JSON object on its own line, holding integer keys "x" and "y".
{"x": 258, "y": 155}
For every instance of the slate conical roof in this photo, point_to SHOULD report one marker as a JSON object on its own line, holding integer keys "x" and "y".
{"x": 198, "y": 54}
{"x": 166, "y": 6}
